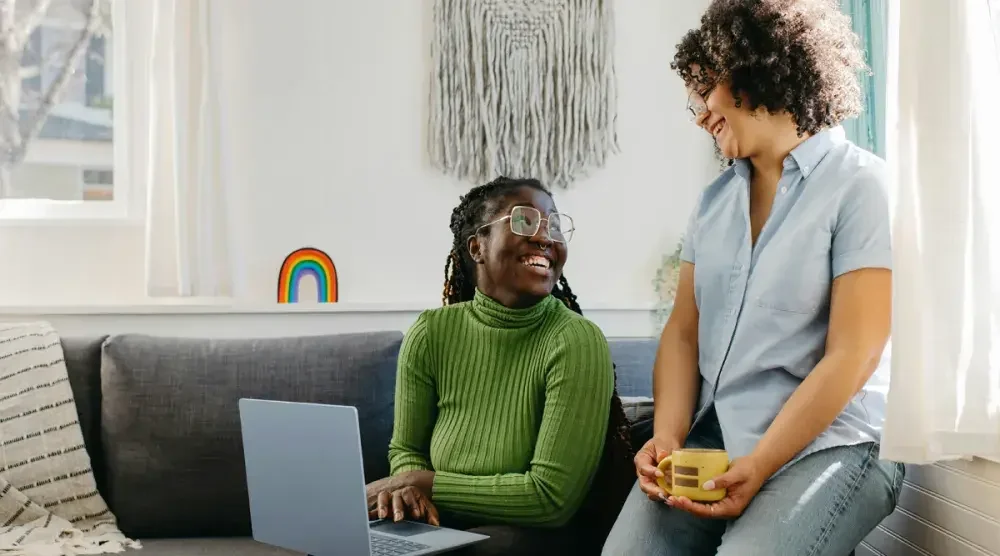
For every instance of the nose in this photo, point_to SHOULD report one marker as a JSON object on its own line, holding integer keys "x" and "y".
{"x": 542, "y": 236}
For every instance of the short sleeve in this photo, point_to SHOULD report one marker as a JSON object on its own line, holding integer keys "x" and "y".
{"x": 687, "y": 247}
{"x": 861, "y": 236}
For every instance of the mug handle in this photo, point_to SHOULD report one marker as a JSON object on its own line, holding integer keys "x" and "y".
{"x": 662, "y": 466}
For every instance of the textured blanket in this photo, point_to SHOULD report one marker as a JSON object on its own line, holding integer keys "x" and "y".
{"x": 49, "y": 503}
{"x": 522, "y": 88}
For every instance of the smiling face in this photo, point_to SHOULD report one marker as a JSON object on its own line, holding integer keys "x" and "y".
{"x": 738, "y": 131}
{"x": 516, "y": 270}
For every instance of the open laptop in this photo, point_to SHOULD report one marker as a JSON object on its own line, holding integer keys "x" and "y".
{"x": 305, "y": 478}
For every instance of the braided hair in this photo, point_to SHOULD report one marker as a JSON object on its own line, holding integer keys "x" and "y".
{"x": 616, "y": 472}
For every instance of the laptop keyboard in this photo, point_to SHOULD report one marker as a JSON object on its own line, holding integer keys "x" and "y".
{"x": 383, "y": 545}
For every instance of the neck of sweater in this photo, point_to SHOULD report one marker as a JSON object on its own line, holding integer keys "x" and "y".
{"x": 495, "y": 315}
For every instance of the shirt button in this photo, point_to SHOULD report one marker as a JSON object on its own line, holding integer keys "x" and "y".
{"x": 784, "y": 189}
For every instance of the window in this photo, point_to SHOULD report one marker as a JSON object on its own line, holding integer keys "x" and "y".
{"x": 57, "y": 151}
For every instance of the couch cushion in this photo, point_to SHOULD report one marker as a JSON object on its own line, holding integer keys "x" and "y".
{"x": 171, "y": 429}
{"x": 83, "y": 364}
{"x": 208, "y": 547}
{"x": 634, "y": 359}
{"x": 637, "y": 408}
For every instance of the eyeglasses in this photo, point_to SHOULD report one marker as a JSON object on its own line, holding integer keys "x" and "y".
{"x": 526, "y": 221}
{"x": 696, "y": 104}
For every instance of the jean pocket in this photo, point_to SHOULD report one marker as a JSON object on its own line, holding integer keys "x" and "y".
{"x": 893, "y": 473}
{"x": 899, "y": 474}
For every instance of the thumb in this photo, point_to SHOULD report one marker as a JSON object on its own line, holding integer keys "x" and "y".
{"x": 726, "y": 480}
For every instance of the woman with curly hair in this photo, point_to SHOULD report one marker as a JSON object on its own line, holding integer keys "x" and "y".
{"x": 774, "y": 348}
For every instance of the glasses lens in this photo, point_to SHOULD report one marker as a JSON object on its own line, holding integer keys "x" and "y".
{"x": 560, "y": 227}
{"x": 696, "y": 104}
{"x": 524, "y": 221}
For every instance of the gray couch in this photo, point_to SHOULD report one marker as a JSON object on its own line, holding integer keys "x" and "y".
{"x": 161, "y": 425}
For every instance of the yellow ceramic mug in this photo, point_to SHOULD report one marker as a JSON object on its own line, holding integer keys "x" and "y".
{"x": 691, "y": 468}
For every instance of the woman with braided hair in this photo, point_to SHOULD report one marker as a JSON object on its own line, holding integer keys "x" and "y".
{"x": 506, "y": 416}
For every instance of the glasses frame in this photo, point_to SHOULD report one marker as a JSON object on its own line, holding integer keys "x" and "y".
{"x": 696, "y": 108}
{"x": 700, "y": 106}
{"x": 546, "y": 219}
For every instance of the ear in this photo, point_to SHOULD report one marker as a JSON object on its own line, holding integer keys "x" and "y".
{"x": 476, "y": 250}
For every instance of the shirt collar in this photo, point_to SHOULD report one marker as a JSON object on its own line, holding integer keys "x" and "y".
{"x": 810, "y": 152}
{"x": 806, "y": 156}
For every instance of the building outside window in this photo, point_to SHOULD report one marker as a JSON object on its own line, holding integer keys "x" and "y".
{"x": 71, "y": 156}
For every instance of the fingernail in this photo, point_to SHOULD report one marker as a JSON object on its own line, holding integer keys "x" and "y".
{"x": 399, "y": 516}
{"x": 709, "y": 485}
{"x": 382, "y": 514}
{"x": 670, "y": 501}
{"x": 659, "y": 473}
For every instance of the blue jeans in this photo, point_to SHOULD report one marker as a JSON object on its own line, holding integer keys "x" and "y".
{"x": 822, "y": 505}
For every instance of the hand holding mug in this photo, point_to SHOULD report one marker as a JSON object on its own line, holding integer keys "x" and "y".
{"x": 732, "y": 490}
{"x": 646, "y": 461}
{"x": 691, "y": 473}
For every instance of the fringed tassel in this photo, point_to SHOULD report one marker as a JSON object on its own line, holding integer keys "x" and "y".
{"x": 522, "y": 89}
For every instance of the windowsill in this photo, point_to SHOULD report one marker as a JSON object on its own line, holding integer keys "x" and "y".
{"x": 35, "y": 213}
{"x": 69, "y": 222}
{"x": 207, "y": 307}
{"x": 214, "y": 307}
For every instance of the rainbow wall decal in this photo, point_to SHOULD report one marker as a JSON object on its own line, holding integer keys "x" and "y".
{"x": 307, "y": 261}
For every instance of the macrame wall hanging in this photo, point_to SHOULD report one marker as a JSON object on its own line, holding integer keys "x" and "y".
{"x": 522, "y": 88}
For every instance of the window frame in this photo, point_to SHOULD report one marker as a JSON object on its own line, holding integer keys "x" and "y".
{"x": 126, "y": 206}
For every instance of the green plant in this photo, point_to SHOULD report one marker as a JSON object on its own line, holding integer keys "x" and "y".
{"x": 665, "y": 284}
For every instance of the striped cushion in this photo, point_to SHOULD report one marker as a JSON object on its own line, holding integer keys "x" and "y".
{"x": 47, "y": 488}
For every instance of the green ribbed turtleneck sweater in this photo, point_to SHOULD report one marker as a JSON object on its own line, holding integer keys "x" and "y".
{"x": 509, "y": 408}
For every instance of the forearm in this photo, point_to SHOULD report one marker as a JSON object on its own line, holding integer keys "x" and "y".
{"x": 512, "y": 498}
{"x": 402, "y": 460}
{"x": 568, "y": 452}
{"x": 811, "y": 409}
{"x": 675, "y": 383}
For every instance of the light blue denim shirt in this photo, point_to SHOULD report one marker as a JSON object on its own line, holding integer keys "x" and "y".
{"x": 764, "y": 310}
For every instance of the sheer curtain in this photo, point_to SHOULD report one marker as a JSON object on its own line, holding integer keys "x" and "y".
{"x": 944, "y": 152}
{"x": 869, "y": 20}
{"x": 188, "y": 236}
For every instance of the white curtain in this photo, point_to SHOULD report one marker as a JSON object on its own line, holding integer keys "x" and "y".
{"x": 944, "y": 153}
{"x": 188, "y": 236}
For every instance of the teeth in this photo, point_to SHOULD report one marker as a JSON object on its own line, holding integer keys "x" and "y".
{"x": 535, "y": 261}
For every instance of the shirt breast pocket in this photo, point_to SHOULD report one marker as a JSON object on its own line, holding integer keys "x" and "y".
{"x": 795, "y": 275}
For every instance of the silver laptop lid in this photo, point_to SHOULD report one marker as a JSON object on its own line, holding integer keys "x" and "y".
{"x": 305, "y": 476}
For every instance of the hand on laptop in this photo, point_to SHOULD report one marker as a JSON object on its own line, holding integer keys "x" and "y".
{"x": 423, "y": 480}
{"x": 408, "y": 502}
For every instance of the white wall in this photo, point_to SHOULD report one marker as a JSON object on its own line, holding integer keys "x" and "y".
{"x": 325, "y": 110}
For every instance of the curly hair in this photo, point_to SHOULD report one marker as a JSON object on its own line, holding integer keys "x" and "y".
{"x": 796, "y": 56}
{"x": 616, "y": 472}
